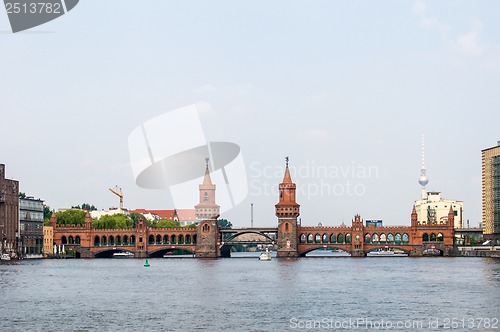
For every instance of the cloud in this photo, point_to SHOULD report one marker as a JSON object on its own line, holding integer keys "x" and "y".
{"x": 430, "y": 23}
{"x": 313, "y": 134}
{"x": 418, "y": 7}
{"x": 469, "y": 43}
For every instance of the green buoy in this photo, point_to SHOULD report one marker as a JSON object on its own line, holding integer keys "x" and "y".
{"x": 147, "y": 263}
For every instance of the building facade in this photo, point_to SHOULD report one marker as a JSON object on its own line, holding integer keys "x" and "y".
{"x": 9, "y": 214}
{"x": 48, "y": 240}
{"x": 186, "y": 216}
{"x": 491, "y": 193}
{"x": 31, "y": 222}
{"x": 434, "y": 210}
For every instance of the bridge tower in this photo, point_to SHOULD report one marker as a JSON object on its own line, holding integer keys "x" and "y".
{"x": 287, "y": 211}
{"x": 207, "y": 212}
{"x": 357, "y": 237}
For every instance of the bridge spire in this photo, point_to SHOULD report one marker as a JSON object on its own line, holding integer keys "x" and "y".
{"x": 287, "y": 178}
{"x": 207, "y": 180}
{"x": 207, "y": 212}
{"x": 287, "y": 211}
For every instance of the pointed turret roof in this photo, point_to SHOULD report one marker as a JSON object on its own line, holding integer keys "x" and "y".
{"x": 287, "y": 178}
{"x": 207, "y": 180}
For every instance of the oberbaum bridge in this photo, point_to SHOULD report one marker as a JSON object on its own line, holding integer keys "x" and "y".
{"x": 290, "y": 239}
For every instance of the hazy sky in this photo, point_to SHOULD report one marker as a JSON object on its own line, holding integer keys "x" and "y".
{"x": 343, "y": 86}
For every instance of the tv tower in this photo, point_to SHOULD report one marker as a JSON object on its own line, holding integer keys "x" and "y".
{"x": 423, "y": 180}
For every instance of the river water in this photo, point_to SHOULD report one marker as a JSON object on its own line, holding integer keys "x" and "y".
{"x": 245, "y": 294}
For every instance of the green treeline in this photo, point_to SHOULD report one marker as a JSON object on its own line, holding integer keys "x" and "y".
{"x": 115, "y": 221}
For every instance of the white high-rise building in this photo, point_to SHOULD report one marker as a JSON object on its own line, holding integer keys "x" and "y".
{"x": 431, "y": 208}
{"x": 434, "y": 210}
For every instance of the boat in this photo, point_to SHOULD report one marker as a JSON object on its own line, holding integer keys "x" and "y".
{"x": 124, "y": 254}
{"x": 265, "y": 256}
{"x": 386, "y": 253}
{"x": 5, "y": 257}
{"x": 432, "y": 252}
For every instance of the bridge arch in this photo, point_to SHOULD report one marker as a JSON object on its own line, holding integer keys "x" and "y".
{"x": 368, "y": 238}
{"x": 332, "y": 246}
{"x": 231, "y": 238}
{"x": 324, "y": 238}
{"x": 340, "y": 238}
{"x": 159, "y": 252}
{"x": 108, "y": 252}
{"x": 390, "y": 238}
{"x": 333, "y": 238}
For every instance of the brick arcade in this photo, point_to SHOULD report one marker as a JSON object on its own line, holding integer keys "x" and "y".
{"x": 291, "y": 239}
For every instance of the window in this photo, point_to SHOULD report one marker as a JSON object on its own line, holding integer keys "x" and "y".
{"x": 367, "y": 238}
{"x": 205, "y": 196}
{"x": 317, "y": 238}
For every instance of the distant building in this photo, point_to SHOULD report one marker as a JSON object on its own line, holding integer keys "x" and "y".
{"x": 186, "y": 216}
{"x": 157, "y": 214}
{"x": 31, "y": 221}
{"x": 9, "y": 213}
{"x": 491, "y": 193}
{"x": 97, "y": 214}
{"x": 48, "y": 240}
{"x": 434, "y": 210}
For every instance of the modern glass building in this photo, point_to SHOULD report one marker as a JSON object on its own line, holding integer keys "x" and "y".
{"x": 31, "y": 218}
{"x": 491, "y": 193}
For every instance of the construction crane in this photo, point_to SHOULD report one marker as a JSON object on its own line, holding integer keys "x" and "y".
{"x": 118, "y": 192}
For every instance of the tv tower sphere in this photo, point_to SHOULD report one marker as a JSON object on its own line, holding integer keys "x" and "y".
{"x": 423, "y": 180}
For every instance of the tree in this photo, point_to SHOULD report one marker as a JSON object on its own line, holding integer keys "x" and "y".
{"x": 47, "y": 214}
{"x": 167, "y": 223}
{"x": 85, "y": 206}
{"x": 224, "y": 224}
{"x": 191, "y": 226}
{"x": 88, "y": 207}
{"x": 22, "y": 195}
{"x": 115, "y": 221}
{"x": 71, "y": 217}
{"x": 135, "y": 216}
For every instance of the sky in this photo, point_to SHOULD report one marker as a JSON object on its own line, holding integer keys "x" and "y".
{"x": 345, "y": 89}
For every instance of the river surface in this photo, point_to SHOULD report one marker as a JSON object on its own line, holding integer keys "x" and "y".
{"x": 245, "y": 294}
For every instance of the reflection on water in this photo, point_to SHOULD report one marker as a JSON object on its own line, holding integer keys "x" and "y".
{"x": 242, "y": 294}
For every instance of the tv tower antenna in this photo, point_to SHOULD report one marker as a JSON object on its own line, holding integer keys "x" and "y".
{"x": 423, "y": 180}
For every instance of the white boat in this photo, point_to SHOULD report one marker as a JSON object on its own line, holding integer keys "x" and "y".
{"x": 265, "y": 256}
{"x": 432, "y": 252}
{"x": 125, "y": 254}
{"x": 5, "y": 257}
{"x": 386, "y": 253}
